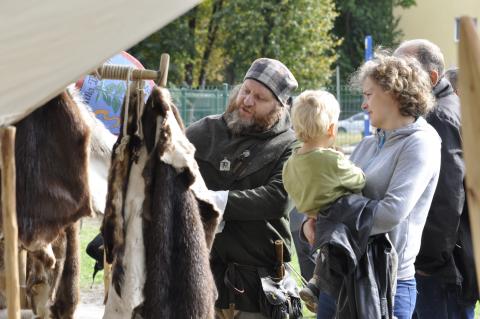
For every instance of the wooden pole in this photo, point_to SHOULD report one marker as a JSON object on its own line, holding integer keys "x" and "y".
{"x": 279, "y": 254}
{"x": 105, "y": 72}
{"x": 9, "y": 214}
{"x": 164, "y": 63}
{"x": 469, "y": 88}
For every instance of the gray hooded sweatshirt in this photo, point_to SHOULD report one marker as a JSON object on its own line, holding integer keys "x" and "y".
{"x": 401, "y": 168}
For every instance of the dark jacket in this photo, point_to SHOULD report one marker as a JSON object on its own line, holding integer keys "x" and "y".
{"x": 355, "y": 268}
{"x": 464, "y": 260}
{"x": 256, "y": 214}
{"x": 441, "y": 250}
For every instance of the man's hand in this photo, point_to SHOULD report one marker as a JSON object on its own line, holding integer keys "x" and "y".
{"x": 308, "y": 229}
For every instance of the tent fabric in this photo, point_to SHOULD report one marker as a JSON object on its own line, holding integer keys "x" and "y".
{"x": 46, "y": 45}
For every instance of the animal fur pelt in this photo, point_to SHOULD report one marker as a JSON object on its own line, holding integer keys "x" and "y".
{"x": 159, "y": 222}
{"x": 51, "y": 158}
{"x": 101, "y": 144}
{"x": 54, "y": 293}
{"x": 122, "y": 223}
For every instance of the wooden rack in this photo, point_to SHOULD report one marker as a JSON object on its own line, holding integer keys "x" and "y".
{"x": 116, "y": 72}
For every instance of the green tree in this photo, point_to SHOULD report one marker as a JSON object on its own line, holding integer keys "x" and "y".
{"x": 179, "y": 41}
{"x": 216, "y": 41}
{"x": 295, "y": 32}
{"x": 359, "y": 18}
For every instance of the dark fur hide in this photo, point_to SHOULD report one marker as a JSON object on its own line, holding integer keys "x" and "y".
{"x": 51, "y": 152}
{"x": 178, "y": 228}
{"x": 159, "y": 104}
{"x": 61, "y": 284}
{"x": 67, "y": 286}
{"x": 51, "y": 158}
{"x": 177, "y": 256}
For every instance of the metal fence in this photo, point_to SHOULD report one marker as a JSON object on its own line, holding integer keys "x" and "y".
{"x": 195, "y": 104}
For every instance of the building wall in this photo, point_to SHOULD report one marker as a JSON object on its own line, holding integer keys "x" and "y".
{"x": 435, "y": 20}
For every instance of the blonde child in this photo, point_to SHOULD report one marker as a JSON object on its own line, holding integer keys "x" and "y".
{"x": 316, "y": 175}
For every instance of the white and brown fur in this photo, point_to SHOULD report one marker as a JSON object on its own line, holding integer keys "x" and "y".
{"x": 159, "y": 223}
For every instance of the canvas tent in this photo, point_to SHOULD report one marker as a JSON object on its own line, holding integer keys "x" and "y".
{"x": 45, "y": 45}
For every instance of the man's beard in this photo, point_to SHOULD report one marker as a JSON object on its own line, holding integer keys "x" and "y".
{"x": 239, "y": 125}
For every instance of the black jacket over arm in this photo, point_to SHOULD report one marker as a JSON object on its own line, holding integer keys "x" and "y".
{"x": 355, "y": 268}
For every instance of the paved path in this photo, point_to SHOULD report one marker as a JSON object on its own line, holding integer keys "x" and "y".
{"x": 91, "y": 303}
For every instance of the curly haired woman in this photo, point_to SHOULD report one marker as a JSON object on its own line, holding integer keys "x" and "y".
{"x": 401, "y": 162}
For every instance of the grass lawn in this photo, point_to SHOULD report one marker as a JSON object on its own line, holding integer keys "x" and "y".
{"x": 90, "y": 227}
{"x": 295, "y": 265}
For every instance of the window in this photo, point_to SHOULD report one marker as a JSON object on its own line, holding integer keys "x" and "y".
{"x": 457, "y": 28}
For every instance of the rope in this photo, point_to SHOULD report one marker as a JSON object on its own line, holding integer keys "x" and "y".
{"x": 127, "y": 101}
{"x": 124, "y": 73}
{"x": 140, "y": 106}
{"x": 115, "y": 71}
{"x": 119, "y": 72}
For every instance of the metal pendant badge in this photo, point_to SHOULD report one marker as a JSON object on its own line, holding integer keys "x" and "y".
{"x": 224, "y": 165}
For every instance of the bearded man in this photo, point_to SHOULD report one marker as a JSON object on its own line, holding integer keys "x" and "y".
{"x": 241, "y": 155}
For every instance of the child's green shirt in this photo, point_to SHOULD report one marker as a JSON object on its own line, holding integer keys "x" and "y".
{"x": 316, "y": 179}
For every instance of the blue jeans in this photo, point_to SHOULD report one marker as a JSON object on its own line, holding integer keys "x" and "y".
{"x": 404, "y": 302}
{"x": 440, "y": 301}
{"x": 405, "y": 298}
{"x": 326, "y": 306}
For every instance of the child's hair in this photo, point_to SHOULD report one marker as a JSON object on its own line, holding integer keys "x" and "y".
{"x": 313, "y": 112}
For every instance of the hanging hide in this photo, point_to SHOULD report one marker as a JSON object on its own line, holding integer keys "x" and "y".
{"x": 51, "y": 156}
{"x": 54, "y": 293}
{"x": 51, "y": 152}
{"x": 101, "y": 144}
{"x": 159, "y": 222}
{"x": 122, "y": 226}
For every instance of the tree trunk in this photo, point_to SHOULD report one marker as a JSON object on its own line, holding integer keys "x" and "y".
{"x": 269, "y": 20}
{"x": 192, "y": 52}
{"x": 211, "y": 36}
{"x": 230, "y": 73}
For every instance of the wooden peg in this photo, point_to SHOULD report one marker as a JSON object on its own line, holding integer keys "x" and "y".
{"x": 279, "y": 255}
{"x": 163, "y": 70}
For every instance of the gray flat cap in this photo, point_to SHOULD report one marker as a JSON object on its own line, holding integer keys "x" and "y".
{"x": 275, "y": 76}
